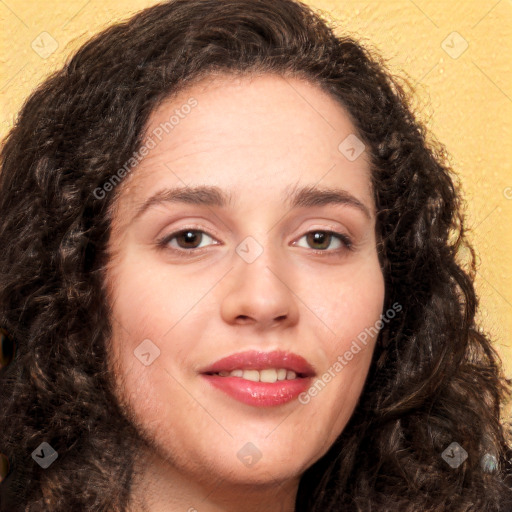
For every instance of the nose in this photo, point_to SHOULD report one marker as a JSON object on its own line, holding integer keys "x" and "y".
{"x": 259, "y": 293}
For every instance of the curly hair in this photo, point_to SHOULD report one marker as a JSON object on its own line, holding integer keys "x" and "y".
{"x": 435, "y": 377}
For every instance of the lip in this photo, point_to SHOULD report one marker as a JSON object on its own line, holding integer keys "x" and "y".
{"x": 260, "y": 394}
{"x": 257, "y": 360}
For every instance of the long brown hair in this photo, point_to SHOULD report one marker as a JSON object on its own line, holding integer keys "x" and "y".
{"x": 435, "y": 378}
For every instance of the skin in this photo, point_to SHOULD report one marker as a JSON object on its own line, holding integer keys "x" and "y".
{"x": 255, "y": 138}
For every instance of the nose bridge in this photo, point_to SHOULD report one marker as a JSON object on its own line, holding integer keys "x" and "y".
{"x": 258, "y": 289}
{"x": 257, "y": 263}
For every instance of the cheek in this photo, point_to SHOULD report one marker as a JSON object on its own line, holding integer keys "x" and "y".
{"x": 149, "y": 303}
{"x": 346, "y": 303}
{"x": 152, "y": 304}
{"x": 151, "y": 296}
{"x": 351, "y": 307}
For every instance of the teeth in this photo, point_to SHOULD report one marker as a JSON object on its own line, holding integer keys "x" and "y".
{"x": 253, "y": 375}
{"x": 268, "y": 375}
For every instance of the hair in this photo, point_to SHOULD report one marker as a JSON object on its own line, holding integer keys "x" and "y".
{"x": 434, "y": 378}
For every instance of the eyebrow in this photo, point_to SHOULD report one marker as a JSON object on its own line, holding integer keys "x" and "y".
{"x": 303, "y": 197}
{"x": 310, "y": 196}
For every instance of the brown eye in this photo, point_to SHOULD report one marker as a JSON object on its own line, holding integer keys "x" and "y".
{"x": 189, "y": 239}
{"x": 185, "y": 239}
{"x": 322, "y": 240}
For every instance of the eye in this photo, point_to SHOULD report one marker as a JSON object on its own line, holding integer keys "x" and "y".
{"x": 323, "y": 240}
{"x": 185, "y": 239}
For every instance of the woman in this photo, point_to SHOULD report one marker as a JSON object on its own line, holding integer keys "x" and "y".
{"x": 232, "y": 272}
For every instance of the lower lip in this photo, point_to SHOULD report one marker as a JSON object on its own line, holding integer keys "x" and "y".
{"x": 260, "y": 394}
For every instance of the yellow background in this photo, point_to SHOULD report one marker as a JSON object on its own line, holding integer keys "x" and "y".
{"x": 464, "y": 98}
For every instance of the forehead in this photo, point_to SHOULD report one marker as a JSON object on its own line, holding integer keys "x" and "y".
{"x": 243, "y": 133}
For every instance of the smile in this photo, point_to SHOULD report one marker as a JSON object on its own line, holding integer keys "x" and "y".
{"x": 260, "y": 379}
{"x": 267, "y": 375}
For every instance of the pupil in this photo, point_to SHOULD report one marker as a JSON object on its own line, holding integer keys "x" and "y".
{"x": 189, "y": 237}
{"x": 318, "y": 237}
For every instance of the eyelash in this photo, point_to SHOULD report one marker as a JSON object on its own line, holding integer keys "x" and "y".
{"x": 163, "y": 242}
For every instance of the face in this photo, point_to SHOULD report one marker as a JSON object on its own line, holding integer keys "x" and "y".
{"x": 246, "y": 230}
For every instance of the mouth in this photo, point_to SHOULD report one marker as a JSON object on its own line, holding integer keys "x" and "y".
{"x": 266, "y": 375}
{"x": 260, "y": 379}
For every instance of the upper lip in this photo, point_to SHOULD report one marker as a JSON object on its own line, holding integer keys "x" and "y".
{"x": 257, "y": 360}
